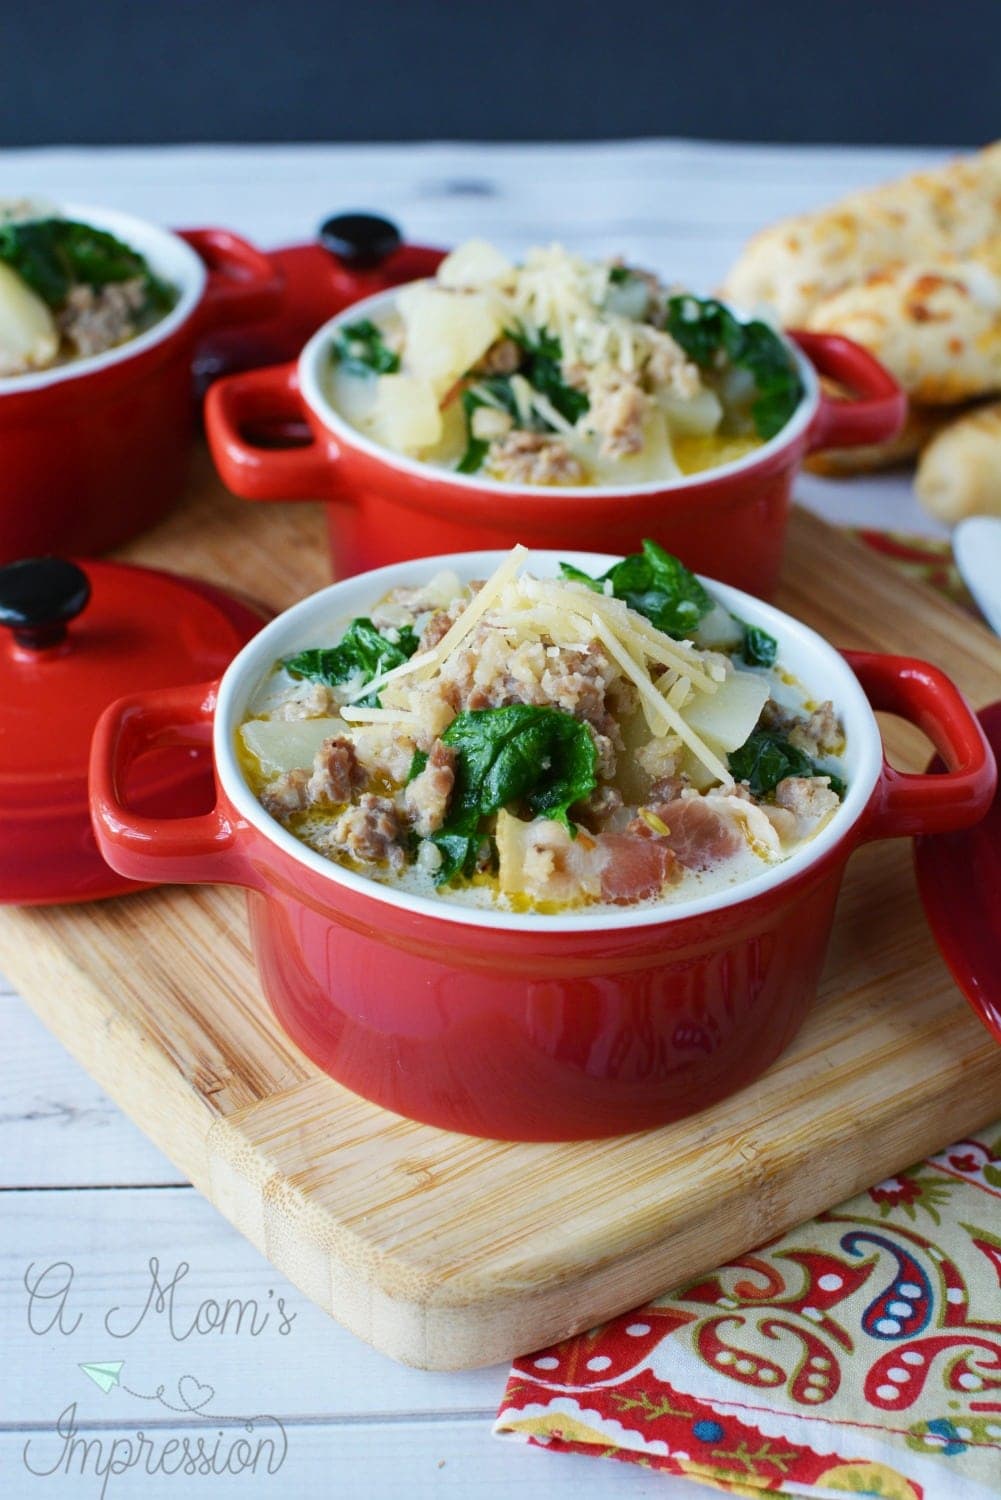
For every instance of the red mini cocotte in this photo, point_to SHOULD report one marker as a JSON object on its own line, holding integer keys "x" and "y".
{"x": 384, "y": 508}
{"x": 94, "y": 451}
{"x": 529, "y": 1026}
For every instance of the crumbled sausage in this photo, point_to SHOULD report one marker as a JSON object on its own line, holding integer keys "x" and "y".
{"x": 618, "y": 412}
{"x": 370, "y": 832}
{"x": 809, "y": 797}
{"x": 286, "y": 795}
{"x": 820, "y": 734}
{"x": 488, "y": 673}
{"x": 440, "y": 624}
{"x": 94, "y": 319}
{"x": 426, "y": 797}
{"x": 336, "y": 772}
{"x": 533, "y": 458}
{"x": 669, "y": 366}
{"x": 596, "y": 810}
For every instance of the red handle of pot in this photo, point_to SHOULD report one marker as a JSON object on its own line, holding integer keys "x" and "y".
{"x": 906, "y": 803}
{"x": 875, "y": 413}
{"x": 259, "y": 402}
{"x": 243, "y": 285}
{"x": 154, "y": 850}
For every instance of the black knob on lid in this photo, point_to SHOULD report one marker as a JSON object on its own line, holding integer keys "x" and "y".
{"x": 38, "y": 598}
{"x": 360, "y": 240}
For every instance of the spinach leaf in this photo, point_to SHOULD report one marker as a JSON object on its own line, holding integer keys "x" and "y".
{"x": 766, "y": 759}
{"x": 709, "y": 333}
{"x": 521, "y": 753}
{"x": 54, "y": 255}
{"x": 758, "y": 648}
{"x": 655, "y": 584}
{"x": 473, "y": 397}
{"x": 361, "y": 350}
{"x": 361, "y": 652}
{"x": 543, "y": 370}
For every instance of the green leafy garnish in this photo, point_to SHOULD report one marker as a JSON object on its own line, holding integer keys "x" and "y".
{"x": 474, "y": 396}
{"x": 708, "y": 332}
{"x": 362, "y": 652}
{"x": 656, "y": 585}
{"x": 766, "y": 759}
{"x": 54, "y": 255}
{"x": 758, "y": 648}
{"x": 361, "y": 350}
{"x": 543, "y": 370}
{"x": 523, "y": 753}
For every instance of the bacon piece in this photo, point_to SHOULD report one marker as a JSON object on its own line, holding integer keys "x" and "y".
{"x": 699, "y": 836}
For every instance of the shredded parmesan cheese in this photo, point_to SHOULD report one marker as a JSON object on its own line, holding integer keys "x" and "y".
{"x": 661, "y": 715}
{"x": 364, "y": 715}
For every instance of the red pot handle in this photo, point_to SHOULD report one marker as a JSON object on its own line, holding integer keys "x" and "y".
{"x": 905, "y": 803}
{"x": 154, "y": 850}
{"x": 265, "y": 399}
{"x": 242, "y": 286}
{"x": 875, "y": 414}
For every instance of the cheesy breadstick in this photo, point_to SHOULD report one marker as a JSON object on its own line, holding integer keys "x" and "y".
{"x": 799, "y": 261}
{"x": 960, "y": 471}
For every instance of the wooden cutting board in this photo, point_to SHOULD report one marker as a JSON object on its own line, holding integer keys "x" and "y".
{"x": 448, "y": 1252}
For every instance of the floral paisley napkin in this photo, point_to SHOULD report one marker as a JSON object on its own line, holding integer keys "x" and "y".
{"x": 859, "y": 1354}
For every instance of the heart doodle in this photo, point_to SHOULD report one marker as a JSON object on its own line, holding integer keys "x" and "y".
{"x": 193, "y": 1393}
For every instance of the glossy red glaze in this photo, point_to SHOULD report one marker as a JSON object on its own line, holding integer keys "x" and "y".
{"x": 100, "y": 451}
{"x": 730, "y": 522}
{"x": 959, "y": 877}
{"x": 534, "y": 1033}
{"x": 316, "y": 286}
{"x": 140, "y": 626}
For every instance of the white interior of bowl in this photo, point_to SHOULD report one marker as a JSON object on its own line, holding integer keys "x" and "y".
{"x": 317, "y": 621}
{"x": 170, "y": 257}
{"x": 315, "y": 360}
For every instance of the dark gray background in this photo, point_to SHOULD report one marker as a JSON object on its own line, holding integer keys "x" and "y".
{"x": 906, "y": 71}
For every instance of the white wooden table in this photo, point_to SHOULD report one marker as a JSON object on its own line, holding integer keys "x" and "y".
{"x": 81, "y": 1191}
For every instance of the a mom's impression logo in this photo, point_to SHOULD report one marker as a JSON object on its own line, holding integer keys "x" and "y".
{"x": 209, "y": 1442}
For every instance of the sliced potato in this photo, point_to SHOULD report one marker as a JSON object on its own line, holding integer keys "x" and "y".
{"x": 474, "y": 264}
{"x": 695, "y": 417}
{"x": 287, "y": 744}
{"x": 718, "y": 630}
{"x": 446, "y": 331}
{"x": 29, "y": 338}
{"x": 655, "y": 460}
{"x": 728, "y": 716}
{"x": 405, "y": 415}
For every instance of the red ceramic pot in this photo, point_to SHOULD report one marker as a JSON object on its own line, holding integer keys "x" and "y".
{"x": 531, "y": 1027}
{"x": 96, "y": 450}
{"x": 383, "y": 508}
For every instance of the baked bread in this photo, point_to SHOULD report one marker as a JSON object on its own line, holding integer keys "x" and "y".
{"x": 934, "y": 324}
{"x": 960, "y": 471}
{"x": 798, "y": 262}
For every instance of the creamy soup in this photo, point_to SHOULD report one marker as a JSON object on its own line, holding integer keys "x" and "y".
{"x": 562, "y": 372}
{"x": 542, "y": 744}
{"x": 69, "y": 290}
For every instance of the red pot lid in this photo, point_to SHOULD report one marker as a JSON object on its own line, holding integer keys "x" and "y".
{"x": 353, "y": 256}
{"x": 76, "y": 638}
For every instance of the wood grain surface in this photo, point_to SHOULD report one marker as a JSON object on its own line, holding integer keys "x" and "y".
{"x": 449, "y": 1252}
